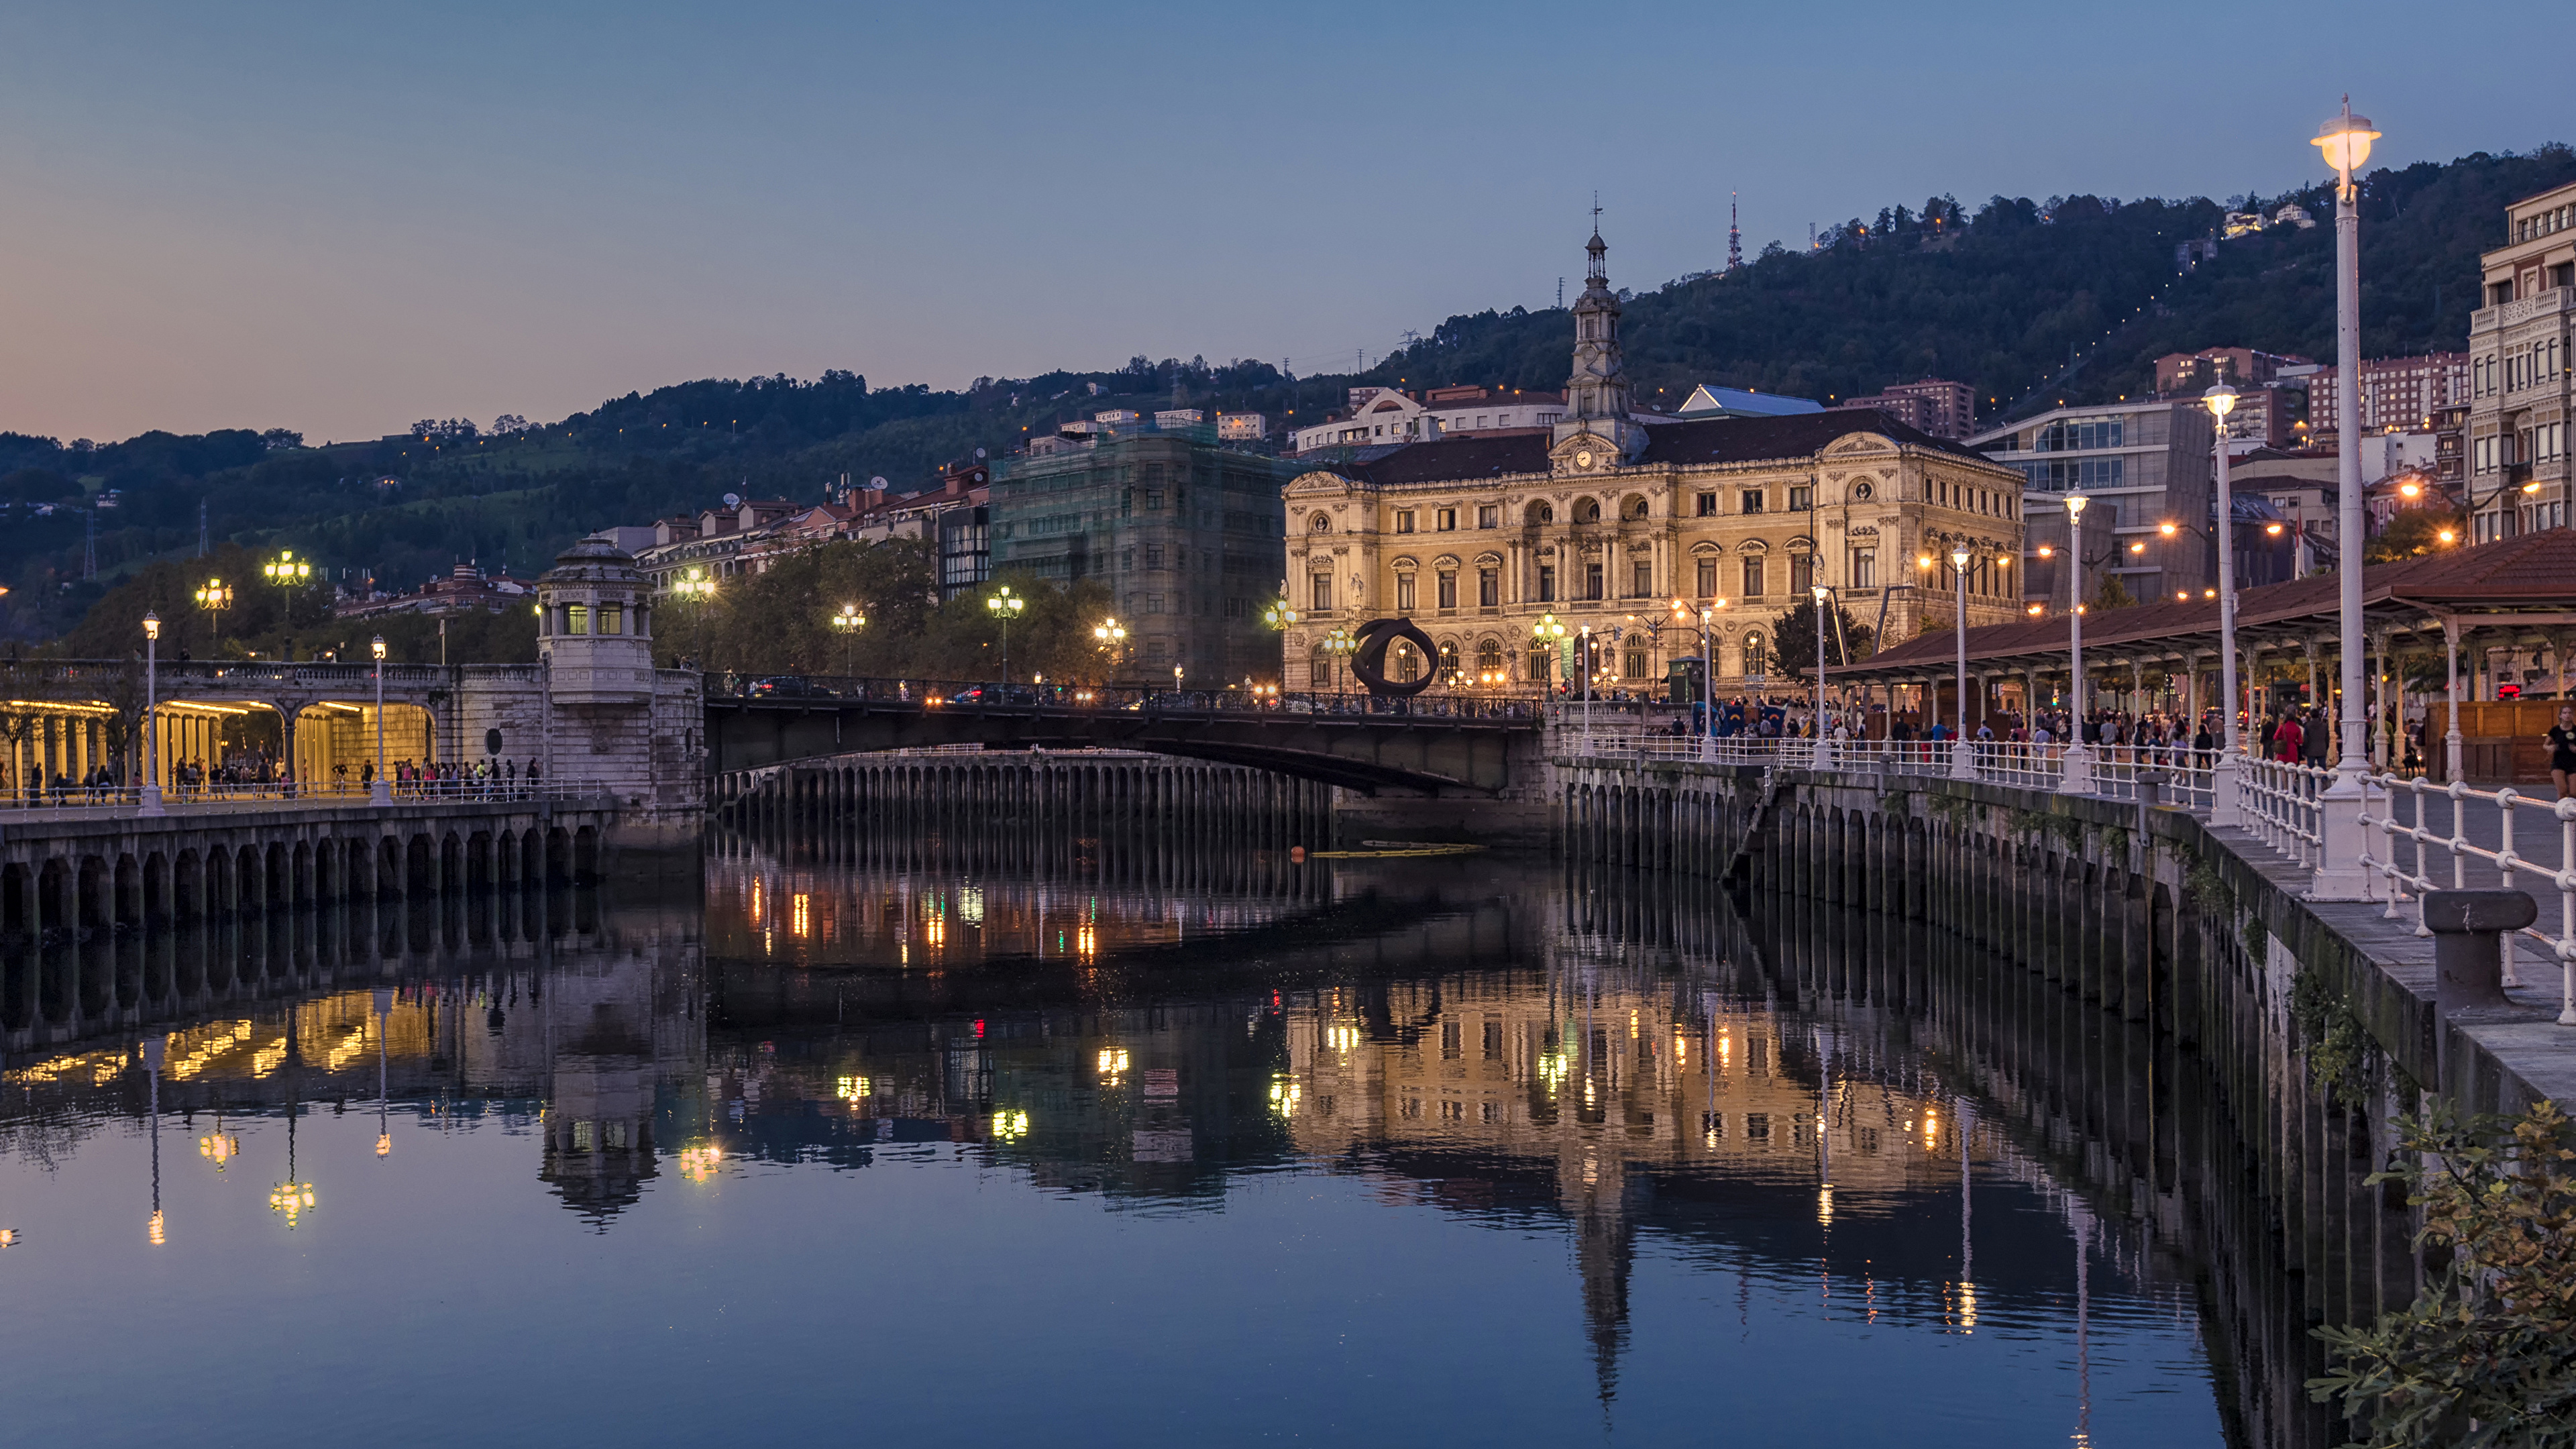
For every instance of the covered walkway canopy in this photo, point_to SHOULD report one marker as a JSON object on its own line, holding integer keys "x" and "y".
{"x": 2516, "y": 594}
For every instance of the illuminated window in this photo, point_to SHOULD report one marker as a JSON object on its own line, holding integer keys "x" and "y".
{"x": 612, "y": 618}
{"x": 576, "y": 618}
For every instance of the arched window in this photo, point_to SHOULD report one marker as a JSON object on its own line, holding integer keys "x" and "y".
{"x": 1635, "y": 507}
{"x": 1489, "y": 657}
{"x": 1319, "y": 668}
{"x": 1539, "y": 512}
{"x": 1634, "y": 666}
{"x": 1587, "y": 510}
{"x": 1757, "y": 655}
{"x": 1448, "y": 661}
{"x": 1407, "y": 661}
{"x": 1542, "y": 664}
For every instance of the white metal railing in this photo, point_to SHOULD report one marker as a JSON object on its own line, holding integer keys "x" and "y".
{"x": 2279, "y": 800}
{"x": 2401, "y": 809}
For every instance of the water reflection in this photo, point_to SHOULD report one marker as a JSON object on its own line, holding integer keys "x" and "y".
{"x": 1483, "y": 1148}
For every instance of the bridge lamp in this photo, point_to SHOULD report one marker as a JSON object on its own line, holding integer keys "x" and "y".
{"x": 849, "y": 621}
{"x": 214, "y": 596}
{"x": 1005, "y": 606}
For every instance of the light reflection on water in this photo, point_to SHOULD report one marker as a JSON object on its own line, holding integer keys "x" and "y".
{"x": 905, "y": 1148}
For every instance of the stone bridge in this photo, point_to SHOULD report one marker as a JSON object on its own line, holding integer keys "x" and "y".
{"x": 1422, "y": 748}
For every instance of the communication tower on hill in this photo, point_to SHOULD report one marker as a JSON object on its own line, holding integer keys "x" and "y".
{"x": 1734, "y": 236}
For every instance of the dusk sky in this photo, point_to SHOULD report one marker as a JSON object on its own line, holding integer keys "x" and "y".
{"x": 340, "y": 218}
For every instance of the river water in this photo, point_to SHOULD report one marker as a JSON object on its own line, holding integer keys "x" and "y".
{"x": 1109, "y": 1142}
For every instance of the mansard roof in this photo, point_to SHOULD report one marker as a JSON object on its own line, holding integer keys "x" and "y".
{"x": 1685, "y": 442}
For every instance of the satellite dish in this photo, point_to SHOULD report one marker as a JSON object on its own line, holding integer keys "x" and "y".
{"x": 733, "y": 500}
{"x": 878, "y": 481}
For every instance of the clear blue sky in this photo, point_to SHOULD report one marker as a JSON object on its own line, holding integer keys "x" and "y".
{"x": 340, "y": 218}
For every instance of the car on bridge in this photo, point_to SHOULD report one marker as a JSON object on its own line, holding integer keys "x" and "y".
{"x": 786, "y": 686}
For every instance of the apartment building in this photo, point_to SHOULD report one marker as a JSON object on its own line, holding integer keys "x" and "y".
{"x": 2519, "y": 377}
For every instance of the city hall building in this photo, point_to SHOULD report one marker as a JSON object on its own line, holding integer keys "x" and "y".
{"x": 1608, "y": 515}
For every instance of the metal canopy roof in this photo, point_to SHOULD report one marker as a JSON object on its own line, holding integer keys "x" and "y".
{"x": 2519, "y": 584}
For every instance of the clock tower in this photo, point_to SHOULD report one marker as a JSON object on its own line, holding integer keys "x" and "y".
{"x": 1597, "y": 430}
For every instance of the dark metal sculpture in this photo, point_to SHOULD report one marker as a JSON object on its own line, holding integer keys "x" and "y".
{"x": 1368, "y": 657}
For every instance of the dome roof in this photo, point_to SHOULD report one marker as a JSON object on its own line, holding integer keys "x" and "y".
{"x": 593, "y": 561}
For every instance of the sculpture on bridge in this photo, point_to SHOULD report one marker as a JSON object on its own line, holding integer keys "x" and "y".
{"x": 1368, "y": 658}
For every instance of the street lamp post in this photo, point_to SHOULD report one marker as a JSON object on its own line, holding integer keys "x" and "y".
{"x": 2341, "y": 837}
{"x": 1006, "y": 606}
{"x": 2079, "y": 760}
{"x": 1824, "y": 742}
{"x": 1111, "y": 635}
{"x": 1339, "y": 645}
{"x": 2224, "y": 808}
{"x": 150, "y": 795}
{"x": 850, "y": 621}
{"x": 381, "y": 790}
{"x": 289, "y": 573}
{"x": 1550, "y": 631}
{"x": 1963, "y": 759}
{"x": 214, "y": 596}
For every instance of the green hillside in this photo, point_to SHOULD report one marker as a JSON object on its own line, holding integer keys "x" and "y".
{"x": 2029, "y": 301}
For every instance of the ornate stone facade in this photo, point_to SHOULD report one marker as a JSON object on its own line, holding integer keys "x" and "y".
{"x": 1610, "y": 516}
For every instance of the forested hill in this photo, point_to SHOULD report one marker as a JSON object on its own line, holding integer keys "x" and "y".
{"x": 2072, "y": 297}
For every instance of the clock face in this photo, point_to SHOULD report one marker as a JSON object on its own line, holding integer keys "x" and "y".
{"x": 1583, "y": 459}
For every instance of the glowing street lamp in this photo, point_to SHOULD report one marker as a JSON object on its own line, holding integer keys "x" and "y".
{"x": 1112, "y": 637}
{"x": 381, "y": 790}
{"x": 2079, "y": 761}
{"x": 849, "y": 622}
{"x": 2221, "y": 400}
{"x": 1006, "y": 606}
{"x": 1963, "y": 760}
{"x": 150, "y": 796}
{"x": 290, "y": 573}
{"x": 2345, "y": 140}
{"x": 1824, "y": 742}
{"x": 214, "y": 596}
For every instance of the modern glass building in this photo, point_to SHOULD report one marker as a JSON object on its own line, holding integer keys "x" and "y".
{"x": 2143, "y": 464}
{"x": 1183, "y": 532}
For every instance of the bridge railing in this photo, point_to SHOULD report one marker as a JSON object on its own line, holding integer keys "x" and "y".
{"x": 25, "y": 675}
{"x": 2407, "y": 819}
{"x": 937, "y": 694}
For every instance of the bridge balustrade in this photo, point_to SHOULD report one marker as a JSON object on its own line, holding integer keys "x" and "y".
{"x": 1080, "y": 698}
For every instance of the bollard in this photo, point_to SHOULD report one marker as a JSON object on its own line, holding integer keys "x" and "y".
{"x": 2468, "y": 946}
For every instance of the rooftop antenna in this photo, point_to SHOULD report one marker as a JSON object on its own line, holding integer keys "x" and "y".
{"x": 202, "y": 549}
{"x": 1734, "y": 236}
{"x": 1560, "y": 294}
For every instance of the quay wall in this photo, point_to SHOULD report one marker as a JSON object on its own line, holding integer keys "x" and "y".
{"x": 111, "y": 924}
{"x": 2273, "y": 1041}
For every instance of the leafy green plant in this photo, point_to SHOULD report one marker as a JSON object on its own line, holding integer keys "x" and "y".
{"x": 2338, "y": 1048}
{"x": 2486, "y": 1355}
{"x": 2209, "y": 891}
